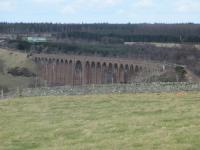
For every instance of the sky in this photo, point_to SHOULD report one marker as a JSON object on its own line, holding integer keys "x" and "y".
{"x": 100, "y": 11}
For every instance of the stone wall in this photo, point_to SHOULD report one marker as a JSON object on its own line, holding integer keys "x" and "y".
{"x": 115, "y": 88}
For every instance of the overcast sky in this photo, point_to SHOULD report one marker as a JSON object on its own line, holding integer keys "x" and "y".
{"x": 100, "y": 11}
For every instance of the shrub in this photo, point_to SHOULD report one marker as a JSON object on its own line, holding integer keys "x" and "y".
{"x": 17, "y": 71}
{"x": 181, "y": 72}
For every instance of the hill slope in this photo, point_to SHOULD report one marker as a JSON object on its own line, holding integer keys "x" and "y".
{"x": 12, "y": 59}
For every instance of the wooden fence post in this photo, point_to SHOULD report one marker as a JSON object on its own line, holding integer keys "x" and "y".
{"x": 2, "y": 96}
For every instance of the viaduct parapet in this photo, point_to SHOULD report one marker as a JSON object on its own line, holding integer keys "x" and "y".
{"x": 64, "y": 69}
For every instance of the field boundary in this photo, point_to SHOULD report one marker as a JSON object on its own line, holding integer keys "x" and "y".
{"x": 104, "y": 89}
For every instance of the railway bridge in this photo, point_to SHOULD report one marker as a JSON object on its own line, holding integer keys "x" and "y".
{"x": 59, "y": 69}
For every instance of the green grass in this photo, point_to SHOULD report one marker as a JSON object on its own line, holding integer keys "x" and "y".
{"x": 102, "y": 122}
{"x": 15, "y": 59}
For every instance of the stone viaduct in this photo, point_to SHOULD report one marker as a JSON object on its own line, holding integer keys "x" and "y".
{"x": 78, "y": 70}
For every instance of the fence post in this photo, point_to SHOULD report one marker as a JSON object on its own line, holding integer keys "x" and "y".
{"x": 2, "y": 96}
{"x": 45, "y": 83}
{"x": 19, "y": 92}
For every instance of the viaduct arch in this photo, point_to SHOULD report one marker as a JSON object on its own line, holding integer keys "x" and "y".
{"x": 60, "y": 70}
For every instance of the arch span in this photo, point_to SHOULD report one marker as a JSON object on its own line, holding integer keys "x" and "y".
{"x": 77, "y": 70}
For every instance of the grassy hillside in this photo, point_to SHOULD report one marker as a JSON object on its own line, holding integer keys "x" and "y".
{"x": 109, "y": 122}
{"x": 11, "y": 59}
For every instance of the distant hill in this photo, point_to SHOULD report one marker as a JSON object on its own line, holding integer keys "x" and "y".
{"x": 170, "y": 43}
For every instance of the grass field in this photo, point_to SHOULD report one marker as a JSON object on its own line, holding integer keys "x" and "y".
{"x": 167, "y": 121}
{"x": 12, "y": 59}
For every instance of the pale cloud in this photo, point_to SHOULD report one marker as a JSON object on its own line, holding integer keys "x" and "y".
{"x": 48, "y": 1}
{"x": 69, "y": 9}
{"x": 145, "y": 3}
{"x": 6, "y": 5}
{"x": 111, "y": 2}
{"x": 188, "y": 6}
{"x": 97, "y": 5}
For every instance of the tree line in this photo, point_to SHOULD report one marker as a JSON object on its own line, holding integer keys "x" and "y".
{"x": 111, "y": 33}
